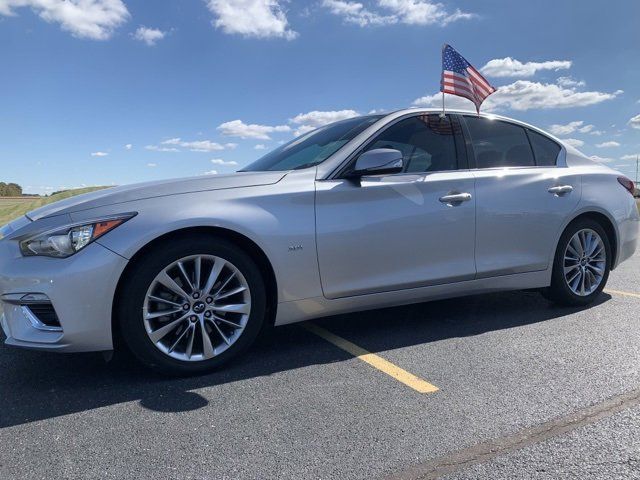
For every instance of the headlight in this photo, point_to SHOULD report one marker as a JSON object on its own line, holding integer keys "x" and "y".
{"x": 69, "y": 239}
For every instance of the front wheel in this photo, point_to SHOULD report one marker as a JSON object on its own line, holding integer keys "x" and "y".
{"x": 581, "y": 265}
{"x": 189, "y": 306}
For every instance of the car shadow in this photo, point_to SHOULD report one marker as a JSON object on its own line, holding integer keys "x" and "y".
{"x": 36, "y": 386}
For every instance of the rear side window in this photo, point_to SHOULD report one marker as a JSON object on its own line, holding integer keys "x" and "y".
{"x": 499, "y": 144}
{"x": 426, "y": 142}
{"x": 545, "y": 149}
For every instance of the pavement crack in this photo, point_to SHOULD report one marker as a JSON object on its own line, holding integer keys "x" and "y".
{"x": 486, "y": 451}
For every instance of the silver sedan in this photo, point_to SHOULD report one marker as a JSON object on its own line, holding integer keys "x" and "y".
{"x": 365, "y": 213}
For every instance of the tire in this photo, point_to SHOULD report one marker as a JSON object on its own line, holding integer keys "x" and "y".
{"x": 595, "y": 268}
{"x": 179, "y": 347}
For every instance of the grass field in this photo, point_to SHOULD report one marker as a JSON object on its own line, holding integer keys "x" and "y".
{"x": 13, "y": 207}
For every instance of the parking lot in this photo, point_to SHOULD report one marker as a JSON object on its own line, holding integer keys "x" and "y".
{"x": 496, "y": 386}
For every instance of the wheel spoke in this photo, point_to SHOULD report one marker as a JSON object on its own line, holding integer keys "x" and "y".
{"x": 185, "y": 276}
{"x": 198, "y": 271}
{"x": 164, "y": 300}
{"x": 573, "y": 277}
{"x": 213, "y": 276}
{"x": 207, "y": 348}
{"x": 162, "y": 313}
{"x": 571, "y": 249}
{"x": 160, "y": 333}
{"x": 233, "y": 308}
{"x": 570, "y": 269}
{"x": 190, "y": 343}
{"x": 224, "y": 320}
{"x": 180, "y": 337}
{"x": 170, "y": 283}
{"x": 230, "y": 293}
{"x": 222, "y": 335}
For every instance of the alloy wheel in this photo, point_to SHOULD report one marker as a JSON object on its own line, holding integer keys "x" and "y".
{"x": 585, "y": 261}
{"x": 197, "y": 307}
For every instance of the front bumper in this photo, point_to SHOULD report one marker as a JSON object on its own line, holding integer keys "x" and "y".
{"x": 80, "y": 288}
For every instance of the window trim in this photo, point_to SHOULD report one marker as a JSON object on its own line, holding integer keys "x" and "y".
{"x": 535, "y": 158}
{"x": 471, "y": 152}
{"x": 462, "y": 158}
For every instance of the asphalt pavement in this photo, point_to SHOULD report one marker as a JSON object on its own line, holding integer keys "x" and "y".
{"x": 521, "y": 389}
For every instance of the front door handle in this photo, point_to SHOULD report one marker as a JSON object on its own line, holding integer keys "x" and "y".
{"x": 560, "y": 190}
{"x": 455, "y": 199}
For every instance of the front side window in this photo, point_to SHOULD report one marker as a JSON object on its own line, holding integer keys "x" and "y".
{"x": 545, "y": 149}
{"x": 426, "y": 142}
{"x": 499, "y": 144}
{"x": 314, "y": 147}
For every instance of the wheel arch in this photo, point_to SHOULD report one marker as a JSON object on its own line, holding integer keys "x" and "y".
{"x": 242, "y": 241}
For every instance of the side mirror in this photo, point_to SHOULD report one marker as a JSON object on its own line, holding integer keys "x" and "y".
{"x": 378, "y": 161}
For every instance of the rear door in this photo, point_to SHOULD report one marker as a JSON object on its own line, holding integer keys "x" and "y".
{"x": 523, "y": 197}
{"x": 393, "y": 232}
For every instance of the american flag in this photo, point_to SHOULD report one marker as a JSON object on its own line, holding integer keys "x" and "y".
{"x": 460, "y": 78}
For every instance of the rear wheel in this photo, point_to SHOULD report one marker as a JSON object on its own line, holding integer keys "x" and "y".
{"x": 581, "y": 265}
{"x": 192, "y": 305}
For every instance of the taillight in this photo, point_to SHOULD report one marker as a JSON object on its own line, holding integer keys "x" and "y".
{"x": 627, "y": 184}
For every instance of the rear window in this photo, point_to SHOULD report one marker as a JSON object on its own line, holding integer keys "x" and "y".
{"x": 499, "y": 144}
{"x": 545, "y": 150}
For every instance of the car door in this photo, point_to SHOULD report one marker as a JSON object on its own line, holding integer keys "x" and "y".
{"x": 392, "y": 232}
{"x": 523, "y": 197}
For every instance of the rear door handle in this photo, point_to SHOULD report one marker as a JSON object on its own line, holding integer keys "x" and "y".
{"x": 455, "y": 198}
{"x": 560, "y": 190}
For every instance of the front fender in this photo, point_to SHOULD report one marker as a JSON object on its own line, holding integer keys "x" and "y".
{"x": 280, "y": 220}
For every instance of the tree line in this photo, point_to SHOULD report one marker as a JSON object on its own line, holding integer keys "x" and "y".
{"x": 10, "y": 190}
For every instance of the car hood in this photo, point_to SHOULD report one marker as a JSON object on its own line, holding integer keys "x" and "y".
{"x": 141, "y": 191}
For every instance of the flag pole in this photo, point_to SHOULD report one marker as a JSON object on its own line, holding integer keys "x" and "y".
{"x": 442, "y": 115}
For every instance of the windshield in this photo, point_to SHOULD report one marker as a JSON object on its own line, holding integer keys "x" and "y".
{"x": 314, "y": 147}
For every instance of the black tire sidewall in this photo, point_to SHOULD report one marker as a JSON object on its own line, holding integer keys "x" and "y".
{"x": 145, "y": 269}
{"x": 559, "y": 291}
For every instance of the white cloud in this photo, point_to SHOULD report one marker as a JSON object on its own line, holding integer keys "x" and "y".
{"x": 635, "y": 122}
{"x": 251, "y": 18}
{"x": 601, "y": 159}
{"x": 211, "y": 172}
{"x": 150, "y": 36}
{"x": 577, "y": 126}
{"x": 152, "y": 165}
{"x": 194, "y": 146}
{"x": 409, "y": 12}
{"x": 608, "y": 144}
{"x": 510, "y": 67}
{"x": 99, "y": 154}
{"x": 219, "y": 161}
{"x": 633, "y": 156}
{"x": 574, "y": 142}
{"x": 260, "y": 146}
{"x": 128, "y": 146}
{"x": 570, "y": 82}
{"x": 526, "y": 95}
{"x": 312, "y": 120}
{"x": 356, "y": 13}
{"x": 237, "y": 128}
{"x": 94, "y": 19}
{"x": 156, "y": 148}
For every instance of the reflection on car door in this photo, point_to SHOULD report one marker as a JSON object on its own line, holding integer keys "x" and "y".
{"x": 400, "y": 231}
{"x": 522, "y": 199}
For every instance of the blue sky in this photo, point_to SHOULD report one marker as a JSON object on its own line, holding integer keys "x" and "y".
{"x": 100, "y": 92}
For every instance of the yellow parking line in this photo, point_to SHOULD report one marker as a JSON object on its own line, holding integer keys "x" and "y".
{"x": 375, "y": 361}
{"x": 620, "y": 292}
